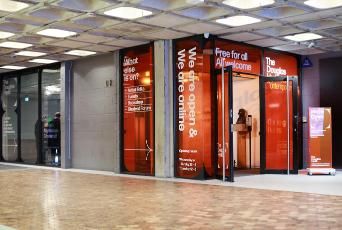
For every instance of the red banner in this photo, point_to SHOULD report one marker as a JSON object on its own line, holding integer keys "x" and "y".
{"x": 138, "y": 117}
{"x": 278, "y": 64}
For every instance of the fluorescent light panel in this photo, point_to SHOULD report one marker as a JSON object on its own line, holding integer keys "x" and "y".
{"x": 57, "y": 33}
{"x": 127, "y": 12}
{"x": 4, "y": 34}
{"x": 43, "y": 61}
{"x": 12, "y": 6}
{"x": 238, "y": 20}
{"x": 30, "y": 53}
{"x": 14, "y": 67}
{"x": 303, "y": 37}
{"x": 248, "y": 4}
{"x": 81, "y": 53}
{"x": 323, "y": 4}
{"x": 15, "y": 45}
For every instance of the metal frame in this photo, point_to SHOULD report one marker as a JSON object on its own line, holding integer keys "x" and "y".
{"x": 123, "y": 170}
{"x": 295, "y": 136}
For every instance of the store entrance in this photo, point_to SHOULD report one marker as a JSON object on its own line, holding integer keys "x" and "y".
{"x": 279, "y": 125}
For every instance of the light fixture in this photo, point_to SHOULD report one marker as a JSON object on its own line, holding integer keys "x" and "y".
{"x": 248, "y": 4}
{"x": 4, "y": 34}
{"x": 57, "y": 33}
{"x": 15, "y": 45}
{"x": 12, "y": 6}
{"x": 127, "y": 12}
{"x": 238, "y": 20}
{"x": 323, "y": 4}
{"x": 43, "y": 61}
{"x": 80, "y": 52}
{"x": 311, "y": 44}
{"x": 14, "y": 67}
{"x": 30, "y": 53}
{"x": 303, "y": 37}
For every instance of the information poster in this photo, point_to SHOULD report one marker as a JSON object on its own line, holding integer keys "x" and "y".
{"x": 194, "y": 153}
{"x": 277, "y": 64}
{"x": 138, "y": 105}
{"x": 320, "y": 141}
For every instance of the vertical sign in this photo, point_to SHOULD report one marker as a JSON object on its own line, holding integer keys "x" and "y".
{"x": 138, "y": 117}
{"x": 278, "y": 64}
{"x": 194, "y": 158}
{"x": 320, "y": 140}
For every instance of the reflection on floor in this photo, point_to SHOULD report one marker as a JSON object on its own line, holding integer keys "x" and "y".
{"x": 57, "y": 199}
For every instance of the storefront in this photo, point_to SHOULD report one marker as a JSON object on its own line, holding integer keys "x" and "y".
{"x": 260, "y": 82}
{"x": 30, "y": 110}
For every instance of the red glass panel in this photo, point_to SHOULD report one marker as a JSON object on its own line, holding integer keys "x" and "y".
{"x": 279, "y": 64}
{"x": 276, "y": 125}
{"x": 138, "y": 117}
{"x": 194, "y": 158}
{"x": 243, "y": 58}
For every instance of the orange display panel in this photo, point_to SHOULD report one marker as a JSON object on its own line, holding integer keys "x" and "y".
{"x": 278, "y": 64}
{"x": 277, "y": 125}
{"x": 138, "y": 106}
{"x": 320, "y": 137}
{"x": 194, "y": 149}
{"x": 242, "y": 58}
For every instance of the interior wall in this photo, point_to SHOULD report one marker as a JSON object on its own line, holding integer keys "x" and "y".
{"x": 311, "y": 78}
{"x": 94, "y": 111}
{"x": 246, "y": 96}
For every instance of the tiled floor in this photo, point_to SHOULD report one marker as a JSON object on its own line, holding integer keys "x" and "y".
{"x": 54, "y": 199}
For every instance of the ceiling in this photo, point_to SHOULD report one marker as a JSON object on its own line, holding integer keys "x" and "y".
{"x": 170, "y": 19}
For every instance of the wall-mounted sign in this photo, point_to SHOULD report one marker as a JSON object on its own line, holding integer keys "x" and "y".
{"x": 306, "y": 62}
{"x": 278, "y": 64}
{"x": 138, "y": 103}
{"x": 243, "y": 58}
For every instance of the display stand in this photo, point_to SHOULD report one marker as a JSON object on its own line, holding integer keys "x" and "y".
{"x": 320, "y": 141}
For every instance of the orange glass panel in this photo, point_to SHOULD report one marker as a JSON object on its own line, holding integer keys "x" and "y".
{"x": 278, "y": 64}
{"x": 242, "y": 58}
{"x": 276, "y": 125}
{"x": 138, "y": 117}
{"x": 194, "y": 158}
{"x": 320, "y": 142}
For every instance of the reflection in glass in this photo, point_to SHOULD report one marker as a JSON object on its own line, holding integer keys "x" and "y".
{"x": 50, "y": 122}
{"x": 29, "y": 117}
{"x": 9, "y": 119}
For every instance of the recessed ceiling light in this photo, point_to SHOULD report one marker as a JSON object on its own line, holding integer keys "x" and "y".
{"x": 323, "y": 4}
{"x": 80, "y": 52}
{"x": 15, "y": 45}
{"x": 238, "y": 20}
{"x": 30, "y": 53}
{"x": 15, "y": 67}
{"x": 4, "y": 34}
{"x": 127, "y": 12}
{"x": 57, "y": 33}
{"x": 303, "y": 37}
{"x": 248, "y": 4}
{"x": 43, "y": 61}
{"x": 12, "y": 6}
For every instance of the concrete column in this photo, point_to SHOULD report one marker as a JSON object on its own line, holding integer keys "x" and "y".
{"x": 66, "y": 113}
{"x": 163, "y": 109}
{"x": 116, "y": 85}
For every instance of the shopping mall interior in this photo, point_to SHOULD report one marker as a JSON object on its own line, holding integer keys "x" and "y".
{"x": 170, "y": 114}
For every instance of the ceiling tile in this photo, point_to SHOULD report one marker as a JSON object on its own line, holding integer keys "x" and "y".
{"x": 102, "y": 48}
{"x": 279, "y": 31}
{"x": 204, "y": 12}
{"x": 290, "y": 47}
{"x": 69, "y": 44}
{"x": 83, "y": 5}
{"x": 268, "y": 42}
{"x": 53, "y": 13}
{"x": 33, "y": 39}
{"x": 166, "y": 4}
{"x": 319, "y": 24}
{"x": 95, "y": 21}
{"x": 27, "y": 19}
{"x": 335, "y": 31}
{"x": 125, "y": 42}
{"x": 307, "y": 51}
{"x": 15, "y": 27}
{"x": 85, "y": 37}
{"x": 167, "y": 34}
{"x": 248, "y": 28}
{"x": 131, "y": 27}
{"x": 200, "y": 27}
{"x": 280, "y": 12}
{"x": 246, "y": 36}
{"x": 166, "y": 20}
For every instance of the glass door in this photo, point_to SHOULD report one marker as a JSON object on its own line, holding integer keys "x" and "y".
{"x": 224, "y": 150}
{"x": 279, "y": 125}
{"x": 9, "y": 101}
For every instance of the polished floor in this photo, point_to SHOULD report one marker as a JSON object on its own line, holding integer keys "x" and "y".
{"x": 56, "y": 199}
